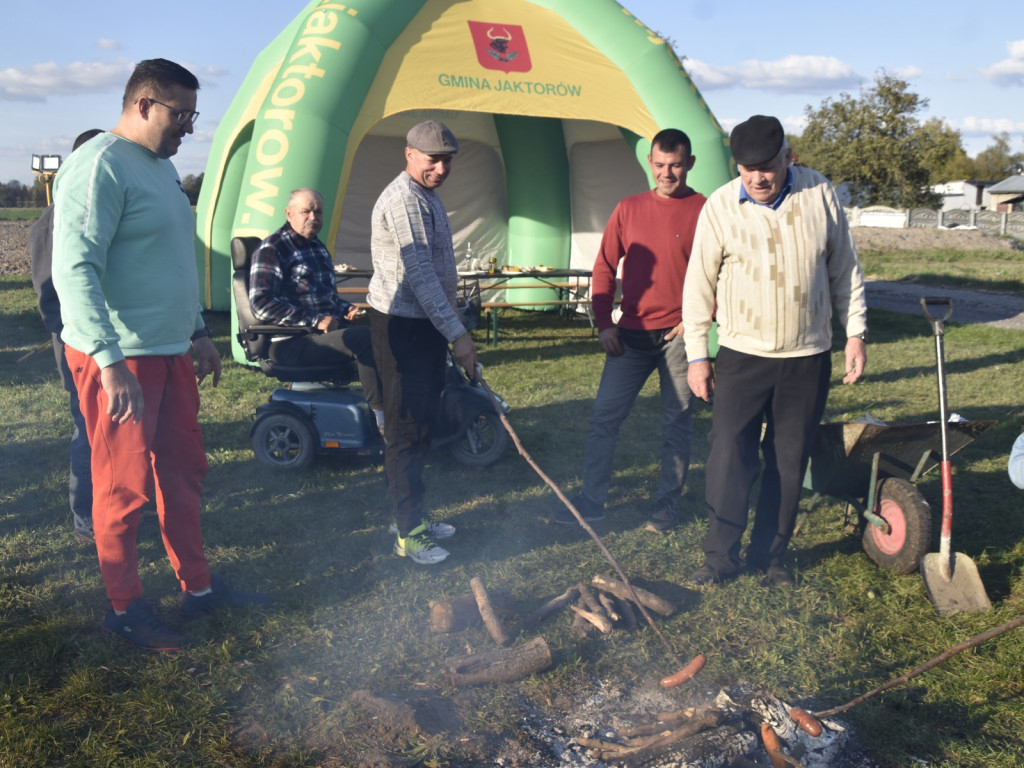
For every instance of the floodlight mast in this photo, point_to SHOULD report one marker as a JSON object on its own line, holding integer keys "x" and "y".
{"x": 46, "y": 167}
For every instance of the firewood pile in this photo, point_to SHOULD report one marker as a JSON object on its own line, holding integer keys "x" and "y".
{"x": 603, "y": 605}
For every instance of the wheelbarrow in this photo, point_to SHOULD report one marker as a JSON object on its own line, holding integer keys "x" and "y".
{"x": 874, "y": 468}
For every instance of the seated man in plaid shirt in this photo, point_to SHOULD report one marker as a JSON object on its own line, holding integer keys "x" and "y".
{"x": 291, "y": 282}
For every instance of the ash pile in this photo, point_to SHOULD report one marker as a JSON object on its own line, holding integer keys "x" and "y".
{"x": 622, "y": 727}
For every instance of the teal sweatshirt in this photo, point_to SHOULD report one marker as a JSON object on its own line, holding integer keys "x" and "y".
{"x": 123, "y": 253}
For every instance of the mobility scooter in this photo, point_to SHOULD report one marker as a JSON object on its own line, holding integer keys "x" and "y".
{"x": 320, "y": 413}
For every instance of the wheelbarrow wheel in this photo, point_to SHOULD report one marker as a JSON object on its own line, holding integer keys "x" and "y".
{"x": 902, "y": 506}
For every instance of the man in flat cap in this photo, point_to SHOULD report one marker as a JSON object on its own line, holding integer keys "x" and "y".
{"x": 413, "y": 318}
{"x": 773, "y": 259}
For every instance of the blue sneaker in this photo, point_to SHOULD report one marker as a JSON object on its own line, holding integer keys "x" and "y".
{"x": 139, "y": 626}
{"x": 221, "y": 595}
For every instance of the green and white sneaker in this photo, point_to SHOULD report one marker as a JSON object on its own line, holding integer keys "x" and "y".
{"x": 434, "y": 530}
{"x": 420, "y": 547}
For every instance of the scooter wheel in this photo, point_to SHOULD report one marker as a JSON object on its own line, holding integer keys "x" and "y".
{"x": 483, "y": 443}
{"x": 902, "y": 506}
{"x": 283, "y": 441}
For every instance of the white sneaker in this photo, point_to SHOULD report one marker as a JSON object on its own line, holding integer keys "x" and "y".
{"x": 420, "y": 547}
{"x": 434, "y": 530}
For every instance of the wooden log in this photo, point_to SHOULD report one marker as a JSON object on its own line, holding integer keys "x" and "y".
{"x": 588, "y": 598}
{"x": 621, "y": 591}
{"x": 628, "y": 614}
{"x": 599, "y": 620}
{"x": 706, "y": 718}
{"x": 460, "y": 612}
{"x": 483, "y": 602}
{"x": 502, "y": 665}
{"x": 550, "y": 607}
{"x": 608, "y": 602}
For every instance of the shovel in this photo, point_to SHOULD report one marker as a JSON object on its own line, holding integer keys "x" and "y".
{"x": 951, "y": 578}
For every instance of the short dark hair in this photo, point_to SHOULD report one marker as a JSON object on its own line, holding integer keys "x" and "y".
{"x": 156, "y": 76}
{"x": 84, "y": 136}
{"x": 671, "y": 139}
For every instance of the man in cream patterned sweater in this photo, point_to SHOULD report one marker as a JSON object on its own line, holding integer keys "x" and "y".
{"x": 772, "y": 261}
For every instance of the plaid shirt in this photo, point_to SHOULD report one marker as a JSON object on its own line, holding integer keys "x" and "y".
{"x": 291, "y": 281}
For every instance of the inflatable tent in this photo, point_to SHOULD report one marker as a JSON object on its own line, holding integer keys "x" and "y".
{"x": 554, "y": 103}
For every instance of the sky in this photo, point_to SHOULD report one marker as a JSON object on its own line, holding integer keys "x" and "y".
{"x": 63, "y": 64}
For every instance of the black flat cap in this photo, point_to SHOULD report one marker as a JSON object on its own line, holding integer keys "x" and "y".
{"x": 757, "y": 140}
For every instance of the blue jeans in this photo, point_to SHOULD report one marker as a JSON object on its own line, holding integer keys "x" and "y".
{"x": 80, "y": 473}
{"x": 621, "y": 381}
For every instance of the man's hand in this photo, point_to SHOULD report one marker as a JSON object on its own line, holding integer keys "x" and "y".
{"x": 464, "y": 352}
{"x": 856, "y": 359}
{"x": 328, "y": 323}
{"x": 609, "y": 341}
{"x": 701, "y": 380}
{"x": 207, "y": 359}
{"x": 124, "y": 393}
{"x": 354, "y": 313}
{"x": 677, "y": 331}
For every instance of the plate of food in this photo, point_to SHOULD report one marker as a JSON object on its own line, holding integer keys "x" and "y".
{"x": 545, "y": 268}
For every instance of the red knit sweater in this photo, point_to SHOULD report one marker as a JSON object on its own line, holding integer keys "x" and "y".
{"x": 652, "y": 237}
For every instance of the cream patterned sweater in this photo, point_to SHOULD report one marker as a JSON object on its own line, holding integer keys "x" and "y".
{"x": 773, "y": 279}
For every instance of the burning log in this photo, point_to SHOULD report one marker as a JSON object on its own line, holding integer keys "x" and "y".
{"x": 458, "y": 613}
{"x": 550, "y": 607}
{"x": 657, "y": 745}
{"x": 621, "y": 591}
{"x": 483, "y": 602}
{"x": 503, "y": 665}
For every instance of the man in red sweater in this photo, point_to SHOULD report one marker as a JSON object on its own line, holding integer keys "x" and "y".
{"x": 649, "y": 236}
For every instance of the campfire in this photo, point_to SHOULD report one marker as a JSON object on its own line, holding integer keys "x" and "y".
{"x": 735, "y": 727}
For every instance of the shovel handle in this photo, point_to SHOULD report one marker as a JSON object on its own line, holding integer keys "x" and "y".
{"x": 938, "y": 303}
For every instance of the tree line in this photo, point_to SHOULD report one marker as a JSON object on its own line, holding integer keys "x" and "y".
{"x": 877, "y": 146}
{"x": 15, "y": 194}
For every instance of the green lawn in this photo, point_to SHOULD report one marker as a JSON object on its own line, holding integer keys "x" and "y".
{"x": 273, "y": 688}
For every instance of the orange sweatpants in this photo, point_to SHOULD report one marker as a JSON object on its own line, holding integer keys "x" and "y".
{"x": 161, "y": 455}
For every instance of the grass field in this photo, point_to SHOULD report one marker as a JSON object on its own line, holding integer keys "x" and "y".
{"x": 274, "y": 688}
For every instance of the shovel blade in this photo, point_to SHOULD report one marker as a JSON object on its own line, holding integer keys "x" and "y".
{"x": 961, "y": 591}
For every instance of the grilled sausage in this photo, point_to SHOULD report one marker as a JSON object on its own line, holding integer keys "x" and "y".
{"x": 685, "y": 673}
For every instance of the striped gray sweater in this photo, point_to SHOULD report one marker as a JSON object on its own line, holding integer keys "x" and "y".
{"x": 414, "y": 273}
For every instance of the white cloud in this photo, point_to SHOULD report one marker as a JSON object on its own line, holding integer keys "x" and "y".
{"x": 987, "y": 126}
{"x": 1008, "y": 71}
{"x": 790, "y": 74}
{"x": 108, "y": 44}
{"x": 40, "y": 81}
{"x": 909, "y": 72}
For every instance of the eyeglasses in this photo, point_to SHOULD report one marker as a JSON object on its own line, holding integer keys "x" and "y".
{"x": 182, "y": 117}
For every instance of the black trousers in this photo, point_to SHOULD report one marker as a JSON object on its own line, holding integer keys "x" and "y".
{"x": 336, "y": 347}
{"x": 788, "y": 396}
{"x": 411, "y": 357}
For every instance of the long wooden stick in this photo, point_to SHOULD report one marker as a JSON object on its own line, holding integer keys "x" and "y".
{"x": 934, "y": 662}
{"x": 579, "y": 518}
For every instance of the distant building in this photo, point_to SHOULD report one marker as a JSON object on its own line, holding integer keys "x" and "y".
{"x": 967, "y": 195}
{"x": 1008, "y": 195}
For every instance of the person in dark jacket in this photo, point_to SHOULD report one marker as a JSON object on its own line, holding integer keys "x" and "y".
{"x": 40, "y": 249}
